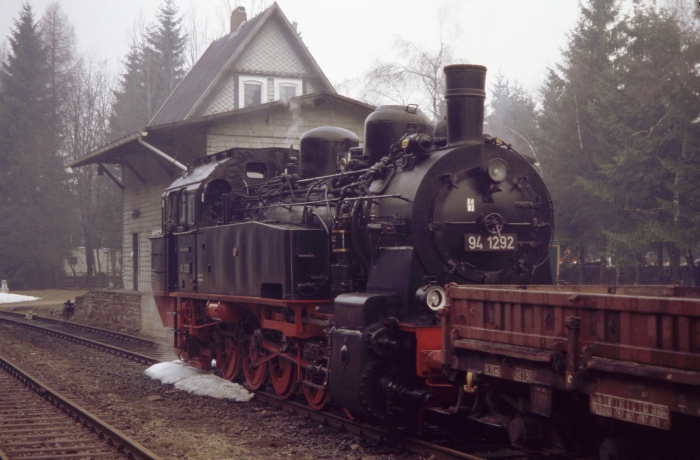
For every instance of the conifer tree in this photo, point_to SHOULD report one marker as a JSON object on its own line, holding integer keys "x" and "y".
{"x": 24, "y": 96}
{"x": 568, "y": 145}
{"x": 620, "y": 132}
{"x": 167, "y": 44}
{"x": 35, "y": 211}
{"x": 58, "y": 37}
{"x": 648, "y": 123}
{"x": 513, "y": 116}
{"x": 153, "y": 67}
{"x": 129, "y": 111}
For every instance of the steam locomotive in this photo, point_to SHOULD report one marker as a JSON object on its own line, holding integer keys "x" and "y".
{"x": 321, "y": 272}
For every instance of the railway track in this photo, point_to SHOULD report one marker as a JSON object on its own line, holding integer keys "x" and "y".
{"x": 479, "y": 449}
{"x": 149, "y": 353}
{"x": 135, "y": 348}
{"x": 37, "y": 422}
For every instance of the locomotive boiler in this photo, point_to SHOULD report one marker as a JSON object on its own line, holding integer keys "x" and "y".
{"x": 321, "y": 272}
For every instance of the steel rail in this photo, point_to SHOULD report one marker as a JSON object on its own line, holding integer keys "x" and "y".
{"x": 130, "y": 447}
{"x": 78, "y": 326}
{"x": 421, "y": 447}
{"x": 103, "y": 346}
{"x": 418, "y": 446}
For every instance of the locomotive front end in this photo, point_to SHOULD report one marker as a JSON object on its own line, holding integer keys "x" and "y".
{"x": 473, "y": 210}
{"x": 462, "y": 209}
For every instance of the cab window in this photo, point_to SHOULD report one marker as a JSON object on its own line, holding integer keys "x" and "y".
{"x": 170, "y": 213}
{"x": 255, "y": 170}
{"x": 186, "y": 213}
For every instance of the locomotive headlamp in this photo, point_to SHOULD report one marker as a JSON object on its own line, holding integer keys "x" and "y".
{"x": 497, "y": 170}
{"x": 433, "y": 296}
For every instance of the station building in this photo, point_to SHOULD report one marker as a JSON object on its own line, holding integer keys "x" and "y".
{"x": 256, "y": 87}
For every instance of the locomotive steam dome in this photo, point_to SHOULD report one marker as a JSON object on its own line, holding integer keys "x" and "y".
{"x": 388, "y": 124}
{"x": 320, "y": 148}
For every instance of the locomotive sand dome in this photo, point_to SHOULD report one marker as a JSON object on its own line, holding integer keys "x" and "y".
{"x": 322, "y": 148}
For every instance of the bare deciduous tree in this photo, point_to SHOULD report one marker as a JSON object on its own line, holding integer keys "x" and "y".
{"x": 418, "y": 78}
{"x": 415, "y": 76}
{"x": 86, "y": 112}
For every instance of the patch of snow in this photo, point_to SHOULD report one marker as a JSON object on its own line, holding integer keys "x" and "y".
{"x": 12, "y": 298}
{"x": 195, "y": 381}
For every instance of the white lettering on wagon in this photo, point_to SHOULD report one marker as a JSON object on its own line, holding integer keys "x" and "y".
{"x": 631, "y": 410}
{"x": 492, "y": 370}
{"x": 524, "y": 375}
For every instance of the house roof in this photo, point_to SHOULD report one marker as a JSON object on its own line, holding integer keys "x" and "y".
{"x": 110, "y": 153}
{"x": 300, "y": 100}
{"x": 218, "y": 60}
{"x": 116, "y": 151}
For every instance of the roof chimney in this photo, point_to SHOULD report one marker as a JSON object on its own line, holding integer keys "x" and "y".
{"x": 238, "y": 17}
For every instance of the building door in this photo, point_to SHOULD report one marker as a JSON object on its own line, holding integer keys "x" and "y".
{"x": 135, "y": 259}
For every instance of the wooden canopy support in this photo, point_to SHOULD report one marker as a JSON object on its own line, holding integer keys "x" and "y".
{"x": 102, "y": 169}
{"x": 162, "y": 155}
{"x": 133, "y": 171}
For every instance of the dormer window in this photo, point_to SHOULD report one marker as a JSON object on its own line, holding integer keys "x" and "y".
{"x": 286, "y": 88}
{"x": 252, "y": 94}
{"x": 255, "y": 90}
{"x": 287, "y": 91}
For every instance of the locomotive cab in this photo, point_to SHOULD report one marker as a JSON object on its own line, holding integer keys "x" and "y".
{"x": 211, "y": 193}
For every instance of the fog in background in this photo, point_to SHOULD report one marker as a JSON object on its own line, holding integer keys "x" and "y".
{"x": 518, "y": 38}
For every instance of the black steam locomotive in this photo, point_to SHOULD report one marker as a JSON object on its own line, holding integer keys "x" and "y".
{"x": 325, "y": 276}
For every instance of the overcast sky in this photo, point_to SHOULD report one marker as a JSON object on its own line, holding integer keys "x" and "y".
{"x": 519, "y": 38}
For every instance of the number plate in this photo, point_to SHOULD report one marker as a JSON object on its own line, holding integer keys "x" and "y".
{"x": 490, "y": 242}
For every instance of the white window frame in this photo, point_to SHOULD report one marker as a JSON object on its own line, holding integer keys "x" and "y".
{"x": 242, "y": 80}
{"x": 262, "y": 81}
{"x": 296, "y": 82}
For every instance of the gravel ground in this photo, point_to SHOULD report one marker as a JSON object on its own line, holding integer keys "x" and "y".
{"x": 172, "y": 423}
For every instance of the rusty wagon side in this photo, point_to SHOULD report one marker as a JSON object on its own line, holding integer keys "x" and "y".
{"x": 552, "y": 361}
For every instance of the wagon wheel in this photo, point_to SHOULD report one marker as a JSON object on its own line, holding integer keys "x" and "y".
{"x": 229, "y": 359}
{"x": 283, "y": 376}
{"x": 315, "y": 394}
{"x": 251, "y": 353}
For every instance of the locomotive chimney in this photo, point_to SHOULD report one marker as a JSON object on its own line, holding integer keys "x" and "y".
{"x": 238, "y": 17}
{"x": 465, "y": 90}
